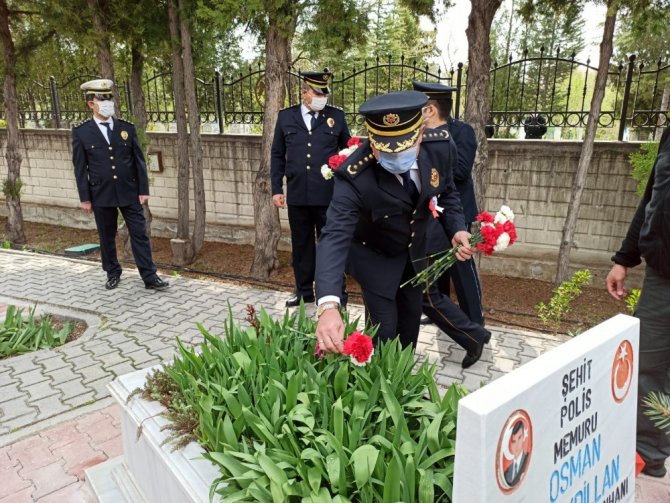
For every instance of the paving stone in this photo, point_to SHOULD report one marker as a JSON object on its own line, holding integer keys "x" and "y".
{"x": 12, "y": 483}
{"x": 79, "y": 400}
{"x": 12, "y": 409}
{"x": 77, "y": 492}
{"x": 71, "y": 388}
{"x": 10, "y": 392}
{"x": 54, "y": 362}
{"x": 125, "y": 367}
{"x": 24, "y": 496}
{"x": 71, "y": 352}
{"x": 77, "y": 456}
{"x": 82, "y": 361}
{"x": 31, "y": 453}
{"x": 93, "y": 373}
{"x": 30, "y": 377}
{"x": 49, "y": 478}
{"x": 39, "y": 390}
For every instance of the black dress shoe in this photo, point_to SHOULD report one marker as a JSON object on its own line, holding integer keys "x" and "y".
{"x": 655, "y": 469}
{"x": 295, "y": 300}
{"x": 112, "y": 282}
{"x": 473, "y": 356}
{"x": 156, "y": 284}
{"x": 425, "y": 320}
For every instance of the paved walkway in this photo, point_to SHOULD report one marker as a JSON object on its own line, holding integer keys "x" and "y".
{"x": 56, "y": 414}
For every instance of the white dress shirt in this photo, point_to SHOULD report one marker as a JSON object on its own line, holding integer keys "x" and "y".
{"x": 307, "y": 117}
{"x": 103, "y": 129}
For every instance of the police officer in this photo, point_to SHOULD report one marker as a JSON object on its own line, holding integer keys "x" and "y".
{"x": 112, "y": 176}
{"x": 463, "y": 323}
{"x": 306, "y": 135}
{"x": 377, "y": 219}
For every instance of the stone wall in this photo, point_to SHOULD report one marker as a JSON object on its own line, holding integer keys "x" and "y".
{"x": 533, "y": 177}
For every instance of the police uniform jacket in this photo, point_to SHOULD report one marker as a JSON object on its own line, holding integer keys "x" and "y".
{"x": 463, "y": 158}
{"x": 372, "y": 221}
{"x": 298, "y": 154}
{"x": 109, "y": 175}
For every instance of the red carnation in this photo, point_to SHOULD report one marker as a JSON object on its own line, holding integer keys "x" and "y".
{"x": 359, "y": 347}
{"x": 510, "y": 229}
{"x": 335, "y": 161}
{"x": 354, "y": 140}
{"x": 485, "y": 217}
{"x": 490, "y": 234}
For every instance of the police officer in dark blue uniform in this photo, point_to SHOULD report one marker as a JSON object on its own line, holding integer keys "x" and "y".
{"x": 378, "y": 216}
{"x": 306, "y": 135}
{"x": 463, "y": 323}
{"x": 112, "y": 176}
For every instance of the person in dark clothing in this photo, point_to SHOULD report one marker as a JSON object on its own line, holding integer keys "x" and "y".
{"x": 305, "y": 136}
{"x": 377, "y": 219}
{"x": 648, "y": 236}
{"x": 463, "y": 323}
{"x": 112, "y": 177}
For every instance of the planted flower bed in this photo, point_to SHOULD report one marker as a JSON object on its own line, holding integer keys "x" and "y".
{"x": 21, "y": 333}
{"x": 283, "y": 424}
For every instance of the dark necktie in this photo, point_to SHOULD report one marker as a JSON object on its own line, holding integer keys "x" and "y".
{"x": 313, "y": 121}
{"x": 409, "y": 186}
{"x": 109, "y": 131}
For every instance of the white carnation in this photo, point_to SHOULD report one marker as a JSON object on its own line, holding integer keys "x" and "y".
{"x": 500, "y": 218}
{"x": 502, "y": 242}
{"x": 507, "y": 213}
{"x": 326, "y": 172}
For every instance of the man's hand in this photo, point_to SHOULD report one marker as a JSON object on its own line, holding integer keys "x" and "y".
{"x": 330, "y": 331}
{"x": 462, "y": 239}
{"x": 143, "y": 199}
{"x": 279, "y": 201}
{"x": 615, "y": 280}
{"x": 87, "y": 207}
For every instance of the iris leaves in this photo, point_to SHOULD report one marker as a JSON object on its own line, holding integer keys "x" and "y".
{"x": 285, "y": 426}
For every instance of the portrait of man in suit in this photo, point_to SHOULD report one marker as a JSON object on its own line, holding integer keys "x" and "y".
{"x": 516, "y": 469}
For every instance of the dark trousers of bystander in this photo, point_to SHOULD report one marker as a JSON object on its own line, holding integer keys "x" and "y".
{"x": 653, "y": 310}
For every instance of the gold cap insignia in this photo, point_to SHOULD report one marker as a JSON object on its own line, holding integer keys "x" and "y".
{"x": 124, "y": 135}
{"x": 330, "y": 122}
{"x": 434, "y": 178}
{"x": 391, "y": 119}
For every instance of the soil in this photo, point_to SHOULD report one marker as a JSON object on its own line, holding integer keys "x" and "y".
{"x": 507, "y": 301}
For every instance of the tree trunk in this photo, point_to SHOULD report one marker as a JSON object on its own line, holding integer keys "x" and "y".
{"x": 182, "y": 251}
{"x": 104, "y": 52}
{"x": 268, "y": 231}
{"x": 562, "y": 271}
{"x": 140, "y": 120}
{"x": 198, "y": 236}
{"x": 478, "y": 104}
{"x": 12, "y": 185}
{"x": 661, "y": 121}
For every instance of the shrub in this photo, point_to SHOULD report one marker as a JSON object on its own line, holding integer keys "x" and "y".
{"x": 559, "y": 305}
{"x": 642, "y": 163}
{"x": 22, "y": 336}
{"x": 285, "y": 426}
{"x": 632, "y": 299}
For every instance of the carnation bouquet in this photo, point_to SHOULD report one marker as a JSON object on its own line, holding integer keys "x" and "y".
{"x": 495, "y": 233}
{"x": 335, "y": 161}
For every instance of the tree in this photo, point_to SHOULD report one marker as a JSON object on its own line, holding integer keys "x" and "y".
{"x": 11, "y": 187}
{"x": 478, "y": 104}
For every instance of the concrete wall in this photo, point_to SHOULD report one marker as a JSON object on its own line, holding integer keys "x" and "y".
{"x": 533, "y": 177}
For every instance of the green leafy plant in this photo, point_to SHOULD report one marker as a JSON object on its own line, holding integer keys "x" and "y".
{"x": 658, "y": 409}
{"x": 12, "y": 189}
{"x": 642, "y": 163}
{"x": 3, "y": 124}
{"x": 19, "y": 335}
{"x": 283, "y": 425}
{"x": 632, "y": 299}
{"x": 6, "y": 244}
{"x": 552, "y": 313}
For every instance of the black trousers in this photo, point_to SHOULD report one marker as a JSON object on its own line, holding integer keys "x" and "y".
{"x": 306, "y": 223}
{"x": 468, "y": 289}
{"x": 106, "y": 219}
{"x": 399, "y": 316}
{"x": 451, "y": 319}
{"x": 653, "y": 310}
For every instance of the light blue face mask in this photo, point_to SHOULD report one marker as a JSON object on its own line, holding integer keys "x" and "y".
{"x": 398, "y": 163}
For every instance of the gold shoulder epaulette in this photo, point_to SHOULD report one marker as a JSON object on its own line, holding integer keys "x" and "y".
{"x": 77, "y": 124}
{"x": 357, "y": 167}
{"x": 435, "y": 135}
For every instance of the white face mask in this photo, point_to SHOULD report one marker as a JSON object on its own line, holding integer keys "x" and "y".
{"x": 318, "y": 103}
{"x": 106, "y": 108}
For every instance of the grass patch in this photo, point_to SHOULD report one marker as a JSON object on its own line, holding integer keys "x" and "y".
{"x": 23, "y": 334}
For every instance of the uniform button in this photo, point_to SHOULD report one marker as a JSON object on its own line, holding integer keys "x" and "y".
{"x": 309, "y": 167}
{"x": 114, "y": 177}
{"x": 309, "y": 144}
{"x": 111, "y": 157}
{"x": 110, "y": 148}
{"x": 411, "y": 222}
{"x": 413, "y": 234}
{"x": 414, "y": 212}
{"x": 364, "y": 243}
{"x": 409, "y": 245}
{"x": 113, "y": 167}
{"x": 386, "y": 216}
{"x": 309, "y": 155}
{"x": 310, "y": 133}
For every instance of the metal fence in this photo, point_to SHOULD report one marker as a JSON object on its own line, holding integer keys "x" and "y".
{"x": 550, "y": 87}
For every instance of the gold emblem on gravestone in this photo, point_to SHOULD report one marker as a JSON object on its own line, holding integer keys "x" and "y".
{"x": 434, "y": 178}
{"x": 124, "y": 135}
{"x": 330, "y": 122}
